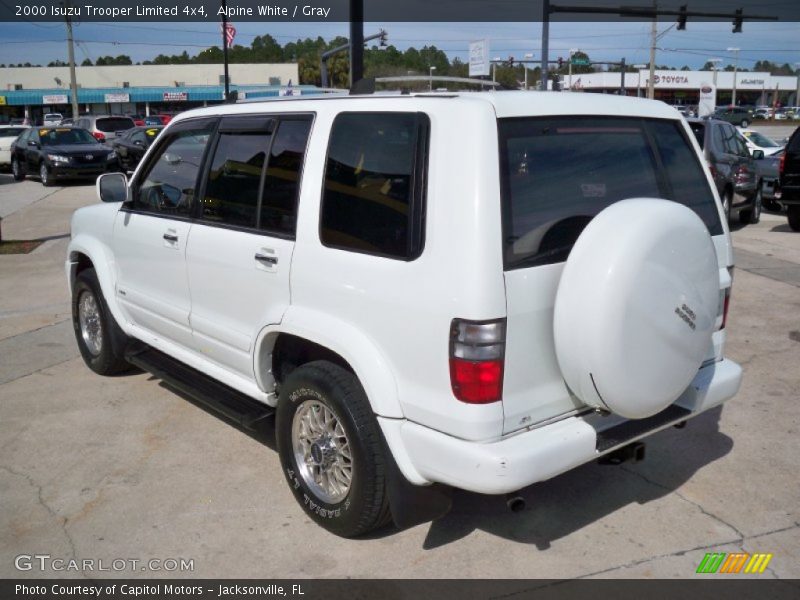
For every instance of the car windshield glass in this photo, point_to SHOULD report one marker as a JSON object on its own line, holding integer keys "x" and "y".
{"x": 11, "y": 131}
{"x": 62, "y": 136}
{"x": 760, "y": 140}
{"x": 558, "y": 173}
{"x": 114, "y": 124}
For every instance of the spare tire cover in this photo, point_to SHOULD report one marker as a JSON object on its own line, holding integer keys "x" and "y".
{"x": 636, "y": 306}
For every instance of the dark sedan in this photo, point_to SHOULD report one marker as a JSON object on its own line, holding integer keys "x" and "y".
{"x": 132, "y": 145}
{"x": 53, "y": 153}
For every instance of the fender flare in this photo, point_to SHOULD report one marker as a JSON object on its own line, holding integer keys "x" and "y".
{"x": 362, "y": 354}
{"x": 102, "y": 260}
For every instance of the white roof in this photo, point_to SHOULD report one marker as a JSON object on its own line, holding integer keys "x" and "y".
{"x": 503, "y": 103}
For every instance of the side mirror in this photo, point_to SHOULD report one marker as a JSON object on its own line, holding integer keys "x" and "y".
{"x": 112, "y": 187}
{"x": 758, "y": 154}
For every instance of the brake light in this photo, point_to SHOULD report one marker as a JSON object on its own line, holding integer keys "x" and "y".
{"x": 477, "y": 355}
{"x": 99, "y": 136}
{"x": 782, "y": 164}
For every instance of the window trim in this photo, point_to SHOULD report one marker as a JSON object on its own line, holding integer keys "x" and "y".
{"x": 277, "y": 119}
{"x": 164, "y": 140}
{"x": 417, "y": 205}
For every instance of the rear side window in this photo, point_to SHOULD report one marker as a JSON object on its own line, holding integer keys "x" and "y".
{"x": 558, "y": 173}
{"x": 114, "y": 124}
{"x": 235, "y": 178}
{"x": 373, "y": 196}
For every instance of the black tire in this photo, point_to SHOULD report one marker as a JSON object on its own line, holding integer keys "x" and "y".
{"x": 745, "y": 123}
{"x": 44, "y": 175}
{"x": 727, "y": 200}
{"x": 752, "y": 215}
{"x": 794, "y": 216}
{"x": 365, "y": 506}
{"x": 16, "y": 170}
{"x": 108, "y": 359}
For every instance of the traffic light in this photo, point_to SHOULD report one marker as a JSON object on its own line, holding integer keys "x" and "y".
{"x": 737, "y": 21}
{"x": 560, "y": 62}
{"x": 682, "y": 17}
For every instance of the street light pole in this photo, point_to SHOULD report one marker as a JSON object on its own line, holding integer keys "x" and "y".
{"x": 73, "y": 85}
{"x": 571, "y": 52}
{"x": 797, "y": 92}
{"x": 639, "y": 80}
{"x": 525, "y": 66}
{"x": 430, "y": 78}
{"x": 735, "y": 66}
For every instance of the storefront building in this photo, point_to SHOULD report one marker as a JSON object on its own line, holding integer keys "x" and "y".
{"x": 135, "y": 89}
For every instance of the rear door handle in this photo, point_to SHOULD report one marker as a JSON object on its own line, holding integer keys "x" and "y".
{"x": 170, "y": 237}
{"x": 266, "y": 259}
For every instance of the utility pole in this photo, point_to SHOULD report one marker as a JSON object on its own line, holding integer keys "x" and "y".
{"x": 225, "y": 49}
{"x": 356, "y": 41}
{"x": 73, "y": 84}
{"x": 735, "y": 66}
{"x": 545, "y": 42}
{"x": 797, "y": 91}
{"x": 651, "y": 82}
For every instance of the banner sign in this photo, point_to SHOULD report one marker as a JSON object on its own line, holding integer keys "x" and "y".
{"x": 114, "y": 98}
{"x": 55, "y": 99}
{"x": 176, "y": 96}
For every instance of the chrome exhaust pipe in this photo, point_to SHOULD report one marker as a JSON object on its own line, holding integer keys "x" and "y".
{"x": 515, "y": 502}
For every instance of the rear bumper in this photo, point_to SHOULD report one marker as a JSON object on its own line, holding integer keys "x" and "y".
{"x": 518, "y": 460}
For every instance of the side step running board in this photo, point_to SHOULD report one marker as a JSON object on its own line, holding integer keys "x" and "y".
{"x": 233, "y": 404}
{"x": 630, "y": 430}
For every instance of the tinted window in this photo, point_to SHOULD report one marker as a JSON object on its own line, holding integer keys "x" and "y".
{"x": 235, "y": 178}
{"x": 169, "y": 184}
{"x": 11, "y": 131}
{"x": 373, "y": 192}
{"x": 282, "y": 181}
{"x": 114, "y": 124}
{"x": 699, "y": 131}
{"x": 558, "y": 173}
{"x": 64, "y": 136}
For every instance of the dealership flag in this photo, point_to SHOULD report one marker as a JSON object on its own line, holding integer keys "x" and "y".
{"x": 230, "y": 32}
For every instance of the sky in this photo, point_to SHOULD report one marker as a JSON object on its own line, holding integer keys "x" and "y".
{"x": 40, "y": 43}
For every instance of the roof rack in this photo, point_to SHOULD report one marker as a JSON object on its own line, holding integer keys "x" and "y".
{"x": 426, "y": 78}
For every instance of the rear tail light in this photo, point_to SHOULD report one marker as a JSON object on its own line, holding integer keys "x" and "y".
{"x": 99, "y": 136}
{"x": 742, "y": 173}
{"x": 477, "y": 353}
{"x": 782, "y": 164}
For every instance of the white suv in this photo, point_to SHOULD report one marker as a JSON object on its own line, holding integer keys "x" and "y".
{"x": 471, "y": 290}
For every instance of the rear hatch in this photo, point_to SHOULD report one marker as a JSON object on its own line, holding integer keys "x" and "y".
{"x": 111, "y": 127}
{"x": 557, "y": 173}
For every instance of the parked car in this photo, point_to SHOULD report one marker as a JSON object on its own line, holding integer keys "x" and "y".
{"x": 732, "y": 167}
{"x": 52, "y": 119}
{"x": 157, "y": 120}
{"x": 137, "y": 119}
{"x": 734, "y": 114}
{"x": 8, "y": 133}
{"x": 132, "y": 145}
{"x": 768, "y": 170}
{"x": 758, "y": 141}
{"x": 417, "y": 301}
{"x": 53, "y": 153}
{"x": 104, "y": 127}
{"x": 789, "y": 169}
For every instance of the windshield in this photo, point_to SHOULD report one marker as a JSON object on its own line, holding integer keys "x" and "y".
{"x": 12, "y": 131}
{"x": 53, "y": 137}
{"x": 759, "y": 140}
{"x": 559, "y": 172}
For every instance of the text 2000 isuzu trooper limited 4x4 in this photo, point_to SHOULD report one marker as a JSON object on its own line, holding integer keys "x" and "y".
{"x": 471, "y": 290}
